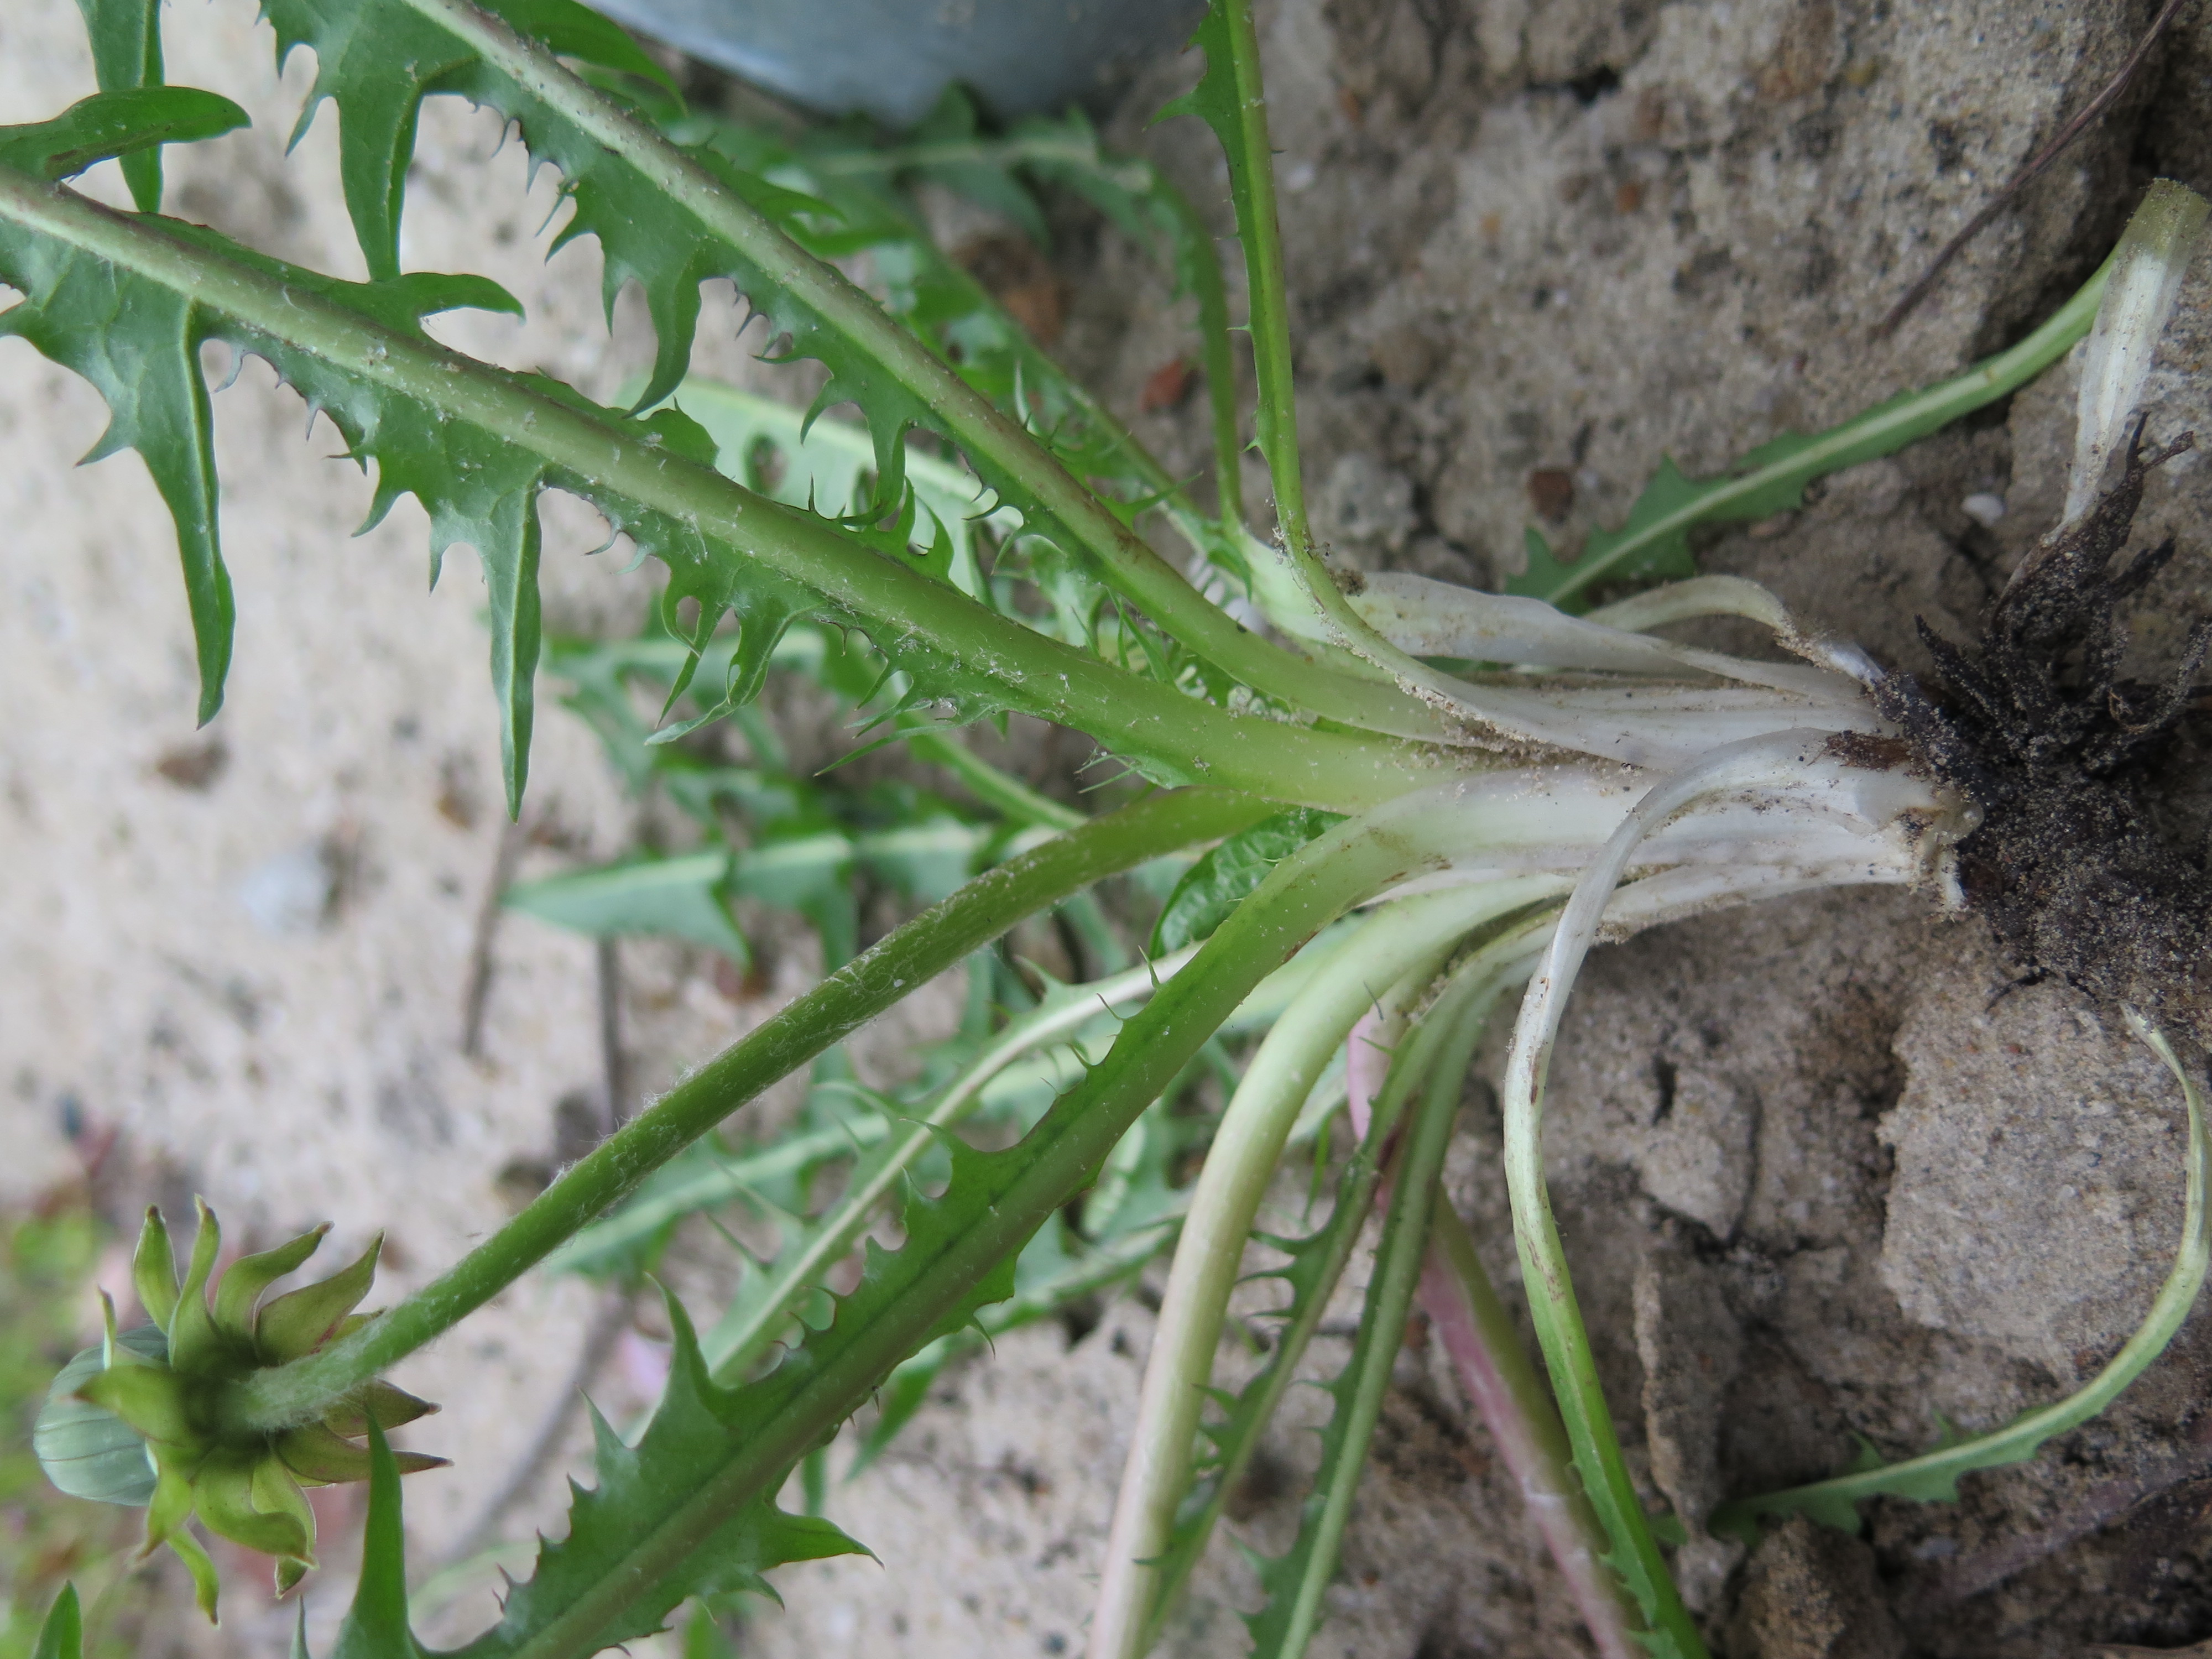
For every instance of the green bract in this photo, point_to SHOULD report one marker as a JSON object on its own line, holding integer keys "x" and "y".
{"x": 140, "y": 1418}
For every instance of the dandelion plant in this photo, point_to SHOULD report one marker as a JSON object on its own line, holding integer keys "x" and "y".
{"x": 1402, "y": 801}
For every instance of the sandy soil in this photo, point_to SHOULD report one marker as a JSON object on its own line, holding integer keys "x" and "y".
{"x": 1817, "y": 1183}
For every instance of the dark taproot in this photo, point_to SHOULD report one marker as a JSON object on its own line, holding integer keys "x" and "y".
{"x": 2062, "y": 756}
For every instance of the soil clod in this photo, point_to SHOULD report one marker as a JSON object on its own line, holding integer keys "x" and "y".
{"x": 2061, "y": 752}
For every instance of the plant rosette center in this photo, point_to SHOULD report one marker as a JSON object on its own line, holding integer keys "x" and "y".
{"x": 140, "y": 1418}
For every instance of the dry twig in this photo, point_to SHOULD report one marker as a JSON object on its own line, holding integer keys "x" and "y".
{"x": 2042, "y": 159}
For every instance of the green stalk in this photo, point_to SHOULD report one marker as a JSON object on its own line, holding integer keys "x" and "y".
{"x": 1252, "y": 177}
{"x": 1204, "y": 278}
{"x": 1300, "y": 596}
{"x": 923, "y": 948}
{"x": 967, "y": 417}
{"x": 735, "y": 1344}
{"x": 1753, "y": 762}
{"x": 1933, "y": 1477}
{"x": 1137, "y": 177}
{"x": 987, "y": 783}
{"x": 1029, "y": 147}
{"x": 1177, "y": 736}
{"x": 1433, "y": 1057}
{"x": 1106, "y": 1266}
{"x": 1203, "y": 273}
{"x": 801, "y": 650}
{"x": 1357, "y": 1189}
{"x": 1880, "y": 431}
{"x": 1308, "y": 605}
{"x": 1012, "y": 1192}
{"x": 1407, "y": 938}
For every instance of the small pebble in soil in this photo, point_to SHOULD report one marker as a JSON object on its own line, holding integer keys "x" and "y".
{"x": 291, "y": 893}
{"x": 1551, "y": 493}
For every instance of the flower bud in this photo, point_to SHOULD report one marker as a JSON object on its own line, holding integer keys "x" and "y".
{"x": 138, "y": 1419}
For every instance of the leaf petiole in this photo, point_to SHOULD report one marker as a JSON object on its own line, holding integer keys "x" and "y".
{"x": 921, "y": 949}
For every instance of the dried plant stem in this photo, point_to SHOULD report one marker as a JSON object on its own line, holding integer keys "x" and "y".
{"x": 2091, "y": 113}
{"x": 606, "y": 968}
{"x": 476, "y": 1000}
{"x": 552, "y": 1436}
